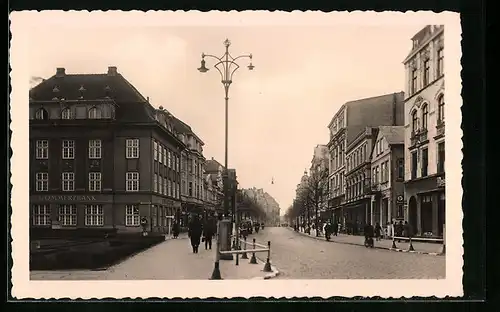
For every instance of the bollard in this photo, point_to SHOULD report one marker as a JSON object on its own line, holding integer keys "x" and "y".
{"x": 253, "y": 260}
{"x": 267, "y": 266}
{"x": 244, "y": 255}
{"x": 410, "y": 248}
{"x": 393, "y": 243}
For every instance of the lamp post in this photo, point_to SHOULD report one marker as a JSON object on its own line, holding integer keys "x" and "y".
{"x": 226, "y": 65}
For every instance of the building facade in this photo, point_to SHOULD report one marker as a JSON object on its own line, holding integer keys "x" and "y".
{"x": 357, "y": 209}
{"x": 387, "y": 176}
{"x": 102, "y": 177}
{"x": 320, "y": 172}
{"x": 214, "y": 173}
{"x": 424, "y": 133}
{"x": 346, "y": 125}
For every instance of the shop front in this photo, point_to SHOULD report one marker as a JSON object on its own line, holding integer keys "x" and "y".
{"x": 163, "y": 214}
{"x": 356, "y": 215}
{"x": 426, "y": 206}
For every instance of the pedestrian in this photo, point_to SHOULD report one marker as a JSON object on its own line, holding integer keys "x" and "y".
{"x": 194, "y": 233}
{"x": 378, "y": 231}
{"x": 335, "y": 229}
{"x": 407, "y": 230}
{"x": 175, "y": 229}
{"x": 208, "y": 233}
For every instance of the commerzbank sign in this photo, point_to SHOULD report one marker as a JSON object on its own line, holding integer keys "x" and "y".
{"x": 75, "y": 198}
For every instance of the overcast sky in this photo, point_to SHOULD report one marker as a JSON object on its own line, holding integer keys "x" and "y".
{"x": 278, "y": 113}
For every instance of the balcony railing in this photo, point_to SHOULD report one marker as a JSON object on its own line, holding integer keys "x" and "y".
{"x": 418, "y": 137}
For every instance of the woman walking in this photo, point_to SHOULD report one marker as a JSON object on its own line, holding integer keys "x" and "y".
{"x": 194, "y": 233}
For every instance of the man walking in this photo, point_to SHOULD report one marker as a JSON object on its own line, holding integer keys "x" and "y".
{"x": 208, "y": 233}
{"x": 194, "y": 233}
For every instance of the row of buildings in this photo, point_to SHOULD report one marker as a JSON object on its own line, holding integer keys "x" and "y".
{"x": 386, "y": 154}
{"x": 267, "y": 202}
{"x": 101, "y": 156}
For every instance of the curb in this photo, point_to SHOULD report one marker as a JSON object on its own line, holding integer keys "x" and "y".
{"x": 376, "y": 247}
{"x": 275, "y": 272}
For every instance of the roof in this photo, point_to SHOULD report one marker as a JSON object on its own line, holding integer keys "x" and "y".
{"x": 212, "y": 165}
{"x": 392, "y": 134}
{"x": 131, "y": 105}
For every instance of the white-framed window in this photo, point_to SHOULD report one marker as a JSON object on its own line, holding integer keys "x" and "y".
{"x": 162, "y": 183}
{"x": 132, "y": 215}
{"x": 66, "y": 113}
{"x": 95, "y": 113}
{"x": 95, "y": 181}
{"x": 155, "y": 150}
{"x": 68, "y": 181}
{"x": 169, "y": 188}
{"x": 95, "y": 149}
{"x": 162, "y": 151}
{"x": 42, "y": 181}
{"x": 165, "y": 186}
{"x": 165, "y": 157}
{"x": 41, "y": 114}
{"x": 132, "y": 181}
{"x": 41, "y": 214}
{"x": 94, "y": 215}
{"x": 169, "y": 159}
{"x": 67, "y": 215}
{"x": 68, "y": 149}
{"x": 42, "y": 149}
{"x": 132, "y": 148}
{"x": 155, "y": 183}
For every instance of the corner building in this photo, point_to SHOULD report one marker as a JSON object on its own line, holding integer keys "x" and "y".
{"x": 425, "y": 199}
{"x": 101, "y": 156}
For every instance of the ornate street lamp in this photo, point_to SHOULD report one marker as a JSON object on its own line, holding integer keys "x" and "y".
{"x": 227, "y": 66}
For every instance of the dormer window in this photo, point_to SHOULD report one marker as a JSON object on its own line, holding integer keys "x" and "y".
{"x": 41, "y": 114}
{"x": 95, "y": 113}
{"x": 107, "y": 91}
{"x": 66, "y": 113}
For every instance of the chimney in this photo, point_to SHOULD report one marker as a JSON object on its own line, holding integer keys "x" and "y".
{"x": 112, "y": 71}
{"x": 60, "y": 72}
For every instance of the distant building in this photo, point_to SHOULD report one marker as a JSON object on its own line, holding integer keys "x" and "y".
{"x": 214, "y": 173}
{"x": 425, "y": 132}
{"x": 387, "y": 178}
{"x": 266, "y": 201}
{"x": 319, "y": 168}
{"x": 346, "y": 125}
{"x": 93, "y": 161}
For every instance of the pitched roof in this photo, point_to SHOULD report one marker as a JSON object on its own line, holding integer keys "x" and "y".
{"x": 212, "y": 165}
{"x": 131, "y": 105}
{"x": 392, "y": 134}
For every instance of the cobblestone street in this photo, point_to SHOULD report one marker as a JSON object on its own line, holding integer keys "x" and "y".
{"x": 301, "y": 257}
{"x": 170, "y": 260}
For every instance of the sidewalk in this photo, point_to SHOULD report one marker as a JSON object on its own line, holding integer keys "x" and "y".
{"x": 169, "y": 260}
{"x": 421, "y": 248}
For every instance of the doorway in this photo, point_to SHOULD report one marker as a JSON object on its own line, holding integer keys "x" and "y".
{"x": 426, "y": 214}
{"x": 412, "y": 213}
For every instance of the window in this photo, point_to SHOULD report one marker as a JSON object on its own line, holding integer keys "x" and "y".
{"x": 68, "y": 181}
{"x": 161, "y": 151}
{"x": 382, "y": 172}
{"x": 441, "y": 109}
{"x": 425, "y": 115}
{"x": 400, "y": 211}
{"x": 95, "y": 149}
{"x": 155, "y": 183}
{"x": 67, "y": 215}
{"x": 413, "y": 86}
{"x": 42, "y": 181}
{"x": 190, "y": 190}
{"x": 41, "y": 114}
{"x": 165, "y": 186}
{"x": 41, "y": 215}
{"x": 155, "y": 150}
{"x": 414, "y": 121}
{"x": 42, "y": 149}
{"x": 68, "y": 149}
{"x": 66, "y": 113}
{"x": 132, "y": 148}
{"x": 95, "y": 181}
{"x": 427, "y": 70}
{"x": 169, "y": 159}
{"x": 386, "y": 171}
{"x": 374, "y": 174}
{"x": 425, "y": 162}
{"x": 94, "y": 215}
{"x": 440, "y": 160}
{"x": 169, "y": 188}
{"x": 160, "y": 187}
{"x": 132, "y": 215}
{"x": 132, "y": 181}
{"x": 440, "y": 64}
{"x": 414, "y": 164}
{"x": 95, "y": 113}
{"x": 377, "y": 174}
{"x": 400, "y": 163}
{"x": 177, "y": 190}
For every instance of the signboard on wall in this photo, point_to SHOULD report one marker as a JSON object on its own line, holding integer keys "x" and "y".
{"x": 400, "y": 199}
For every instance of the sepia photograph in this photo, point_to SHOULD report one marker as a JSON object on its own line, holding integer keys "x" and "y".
{"x": 302, "y": 152}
